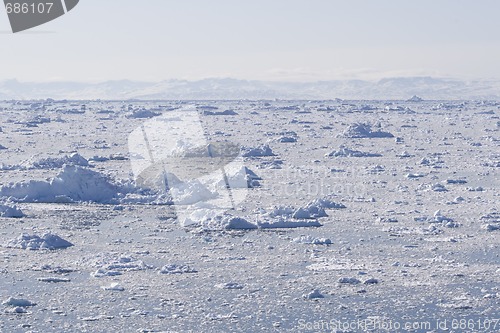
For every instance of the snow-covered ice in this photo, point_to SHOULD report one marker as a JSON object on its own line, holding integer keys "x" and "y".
{"x": 72, "y": 184}
{"x": 332, "y": 209}
{"x": 364, "y": 130}
{"x": 34, "y": 242}
{"x": 10, "y": 211}
{"x": 11, "y": 301}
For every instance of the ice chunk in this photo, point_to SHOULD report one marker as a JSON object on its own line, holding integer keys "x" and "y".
{"x": 177, "y": 269}
{"x": 371, "y": 281}
{"x": 326, "y": 203}
{"x": 10, "y": 211}
{"x": 349, "y": 280}
{"x": 72, "y": 184}
{"x": 11, "y": 301}
{"x": 117, "y": 264}
{"x": 261, "y": 151}
{"x": 283, "y": 222}
{"x": 53, "y": 279}
{"x": 220, "y": 113}
{"x": 188, "y": 193}
{"x": 229, "y": 285}
{"x": 363, "y": 130}
{"x": 142, "y": 113}
{"x": 315, "y": 294}
{"x": 287, "y": 139}
{"x": 312, "y": 240}
{"x": 211, "y": 219}
{"x": 415, "y": 99}
{"x": 113, "y": 287}
{"x": 492, "y": 227}
{"x": 57, "y": 162}
{"x": 346, "y": 152}
{"x": 33, "y": 242}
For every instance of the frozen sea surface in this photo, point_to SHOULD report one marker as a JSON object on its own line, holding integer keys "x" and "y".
{"x": 399, "y": 226}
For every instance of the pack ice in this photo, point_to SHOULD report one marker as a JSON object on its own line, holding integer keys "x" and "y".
{"x": 33, "y": 242}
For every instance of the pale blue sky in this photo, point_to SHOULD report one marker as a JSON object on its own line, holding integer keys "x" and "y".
{"x": 300, "y": 40}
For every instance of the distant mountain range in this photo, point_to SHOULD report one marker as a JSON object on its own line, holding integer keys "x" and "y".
{"x": 214, "y": 89}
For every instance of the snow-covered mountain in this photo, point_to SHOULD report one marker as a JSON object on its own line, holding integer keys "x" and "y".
{"x": 226, "y": 88}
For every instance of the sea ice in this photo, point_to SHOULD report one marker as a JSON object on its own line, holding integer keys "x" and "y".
{"x": 117, "y": 264}
{"x": 220, "y": 113}
{"x": 211, "y": 219}
{"x": 346, "y": 152}
{"x": 492, "y": 227}
{"x": 315, "y": 294}
{"x": 53, "y": 279}
{"x": 415, "y": 98}
{"x": 363, "y": 130}
{"x": 284, "y": 222}
{"x": 10, "y": 211}
{"x": 72, "y": 184}
{"x": 261, "y": 151}
{"x": 11, "y": 301}
{"x": 371, "y": 281}
{"x": 177, "y": 269}
{"x": 312, "y": 240}
{"x": 57, "y": 162}
{"x": 191, "y": 192}
{"x": 287, "y": 139}
{"x": 33, "y": 242}
{"x": 113, "y": 287}
{"x": 229, "y": 285}
{"x": 142, "y": 114}
{"x": 349, "y": 280}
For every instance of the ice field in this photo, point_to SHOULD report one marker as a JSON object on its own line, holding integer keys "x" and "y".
{"x": 249, "y": 216}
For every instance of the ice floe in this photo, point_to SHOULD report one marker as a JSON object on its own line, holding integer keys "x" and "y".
{"x": 10, "y": 211}
{"x": 346, "y": 152}
{"x": 72, "y": 184}
{"x": 287, "y": 139}
{"x": 229, "y": 286}
{"x": 177, "y": 269}
{"x": 112, "y": 265}
{"x": 349, "y": 280}
{"x": 220, "y": 113}
{"x": 53, "y": 279}
{"x": 315, "y": 294}
{"x": 312, "y": 240}
{"x": 11, "y": 301}
{"x": 260, "y": 151}
{"x": 364, "y": 130}
{"x": 33, "y": 242}
{"x": 113, "y": 287}
{"x": 142, "y": 114}
{"x": 57, "y": 162}
{"x": 415, "y": 98}
{"x": 212, "y": 219}
{"x": 285, "y": 222}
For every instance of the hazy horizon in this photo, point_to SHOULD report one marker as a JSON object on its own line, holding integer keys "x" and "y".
{"x": 260, "y": 40}
{"x": 298, "y": 81}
